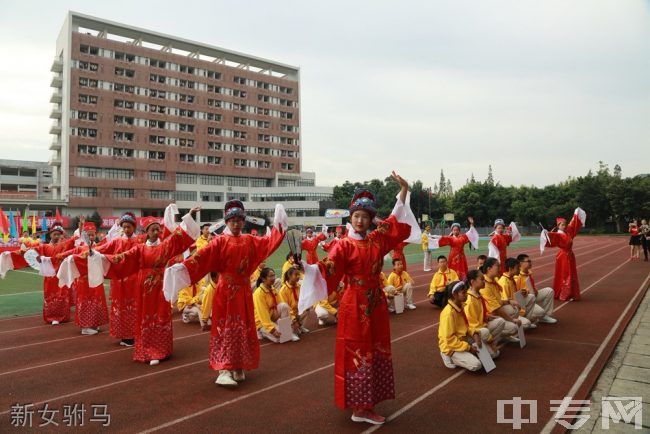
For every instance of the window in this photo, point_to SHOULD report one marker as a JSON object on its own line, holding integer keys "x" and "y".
{"x": 119, "y": 87}
{"x": 87, "y": 82}
{"x": 157, "y": 140}
{"x": 120, "y": 103}
{"x": 214, "y": 131}
{"x": 159, "y": 194}
{"x": 214, "y": 117}
{"x": 240, "y": 162}
{"x": 125, "y": 57}
{"x": 209, "y": 196}
{"x": 87, "y": 99}
{"x": 87, "y": 149}
{"x": 123, "y": 72}
{"x": 187, "y": 69}
{"x": 260, "y": 182}
{"x": 186, "y": 98}
{"x": 157, "y": 63}
{"x": 122, "y": 152}
{"x": 236, "y": 181}
{"x": 121, "y": 136}
{"x": 87, "y": 132}
{"x": 215, "y": 103}
{"x": 123, "y": 193}
{"x": 213, "y": 160}
{"x": 123, "y": 120}
{"x": 214, "y": 75}
{"x": 157, "y": 108}
{"x": 214, "y": 146}
{"x": 211, "y": 180}
{"x": 88, "y": 66}
{"x": 287, "y": 166}
{"x": 88, "y": 172}
{"x": 187, "y": 196}
{"x": 189, "y": 143}
{"x": 86, "y": 116}
{"x": 155, "y": 175}
{"x": 118, "y": 173}
{"x": 89, "y": 49}
{"x": 186, "y": 178}
{"x": 156, "y": 155}
{"x": 188, "y": 128}
{"x": 83, "y": 191}
{"x": 187, "y": 158}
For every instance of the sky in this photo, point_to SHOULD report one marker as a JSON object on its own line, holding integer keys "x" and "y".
{"x": 540, "y": 90}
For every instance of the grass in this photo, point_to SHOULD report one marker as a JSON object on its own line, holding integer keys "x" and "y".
{"x": 21, "y": 292}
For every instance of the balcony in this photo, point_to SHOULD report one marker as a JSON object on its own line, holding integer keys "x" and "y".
{"x": 54, "y": 160}
{"x": 57, "y": 81}
{"x": 55, "y": 113}
{"x": 56, "y": 97}
{"x": 54, "y": 184}
{"x": 57, "y": 65}
{"x": 55, "y": 145}
{"x": 55, "y": 128}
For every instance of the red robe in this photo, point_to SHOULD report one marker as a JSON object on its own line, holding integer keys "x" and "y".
{"x": 310, "y": 246}
{"x": 123, "y": 292}
{"x": 56, "y": 301}
{"x": 565, "y": 282}
{"x": 363, "y": 367}
{"x": 233, "y": 342}
{"x": 90, "y": 310}
{"x": 456, "y": 260}
{"x": 398, "y": 253}
{"x": 502, "y": 242}
{"x": 153, "y": 331}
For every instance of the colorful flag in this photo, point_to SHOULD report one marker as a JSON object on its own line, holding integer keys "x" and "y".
{"x": 4, "y": 225}
{"x": 25, "y": 224}
{"x": 44, "y": 227}
{"x": 58, "y": 216}
{"x": 33, "y": 223}
{"x": 13, "y": 231}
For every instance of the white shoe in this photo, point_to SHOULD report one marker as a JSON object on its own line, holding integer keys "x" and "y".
{"x": 126, "y": 342}
{"x": 259, "y": 336}
{"x": 55, "y": 323}
{"x": 154, "y": 362}
{"x": 238, "y": 375}
{"x": 548, "y": 320}
{"x": 447, "y": 361}
{"x": 512, "y": 339}
{"x": 304, "y": 329}
{"x": 366, "y": 419}
{"x": 294, "y": 337}
{"x": 532, "y": 325}
{"x": 391, "y": 310}
{"x": 225, "y": 379}
{"x": 496, "y": 354}
{"x": 321, "y": 322}
{"x": 89, "y": 331}
{"x": 410, "y": 306}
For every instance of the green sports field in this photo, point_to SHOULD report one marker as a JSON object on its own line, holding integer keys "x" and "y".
{"x": 21, "y": 292}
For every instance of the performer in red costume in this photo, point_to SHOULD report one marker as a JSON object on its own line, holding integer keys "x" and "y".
{"x": 340, "y": 233}
{"x": 456, "y": 259}
{"x": 565, "y": 282}
{"x": 363, "y": 367}
{"x": 502, "y": 237}
{"x": 234, "y": 345}
{"x": 310, "y": 244}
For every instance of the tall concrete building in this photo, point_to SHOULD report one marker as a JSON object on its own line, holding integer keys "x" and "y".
{"x": 143, "y": 118}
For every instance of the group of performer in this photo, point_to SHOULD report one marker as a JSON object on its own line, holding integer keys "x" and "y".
{"x": 221, "y": 281}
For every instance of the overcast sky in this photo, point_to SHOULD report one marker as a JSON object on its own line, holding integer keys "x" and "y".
{"x": 541, "y": 90}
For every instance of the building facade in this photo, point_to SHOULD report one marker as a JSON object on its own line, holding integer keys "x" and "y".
{"x": 26, "y": 185}
{"x": 142, "y": 119}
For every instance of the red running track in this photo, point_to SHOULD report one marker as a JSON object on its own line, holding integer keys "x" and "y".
{"x": 293, "y": 389}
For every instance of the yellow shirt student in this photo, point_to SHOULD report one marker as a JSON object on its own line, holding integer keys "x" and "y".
{"x": 441, "y": 279}
{"x": 398, "y": 281}
{"x": 288, "y": 265}
{"x": 452, "y": 330}
{"x": 520, "y": 280}
{"x": 201, "y": 242}
{"x": 425, "y": 241}
{"x": 508, "y": 286}
{"x": 207, "y": 294}
{"x": 256, "y": 275}
{"x": 475, "y": 312}
{"x": 492, "y": 294}
{"x": 327, "y": 304}
{"x": 187, "y": 296}
{"x": 265, "y": 301}
{"x": 290, "y": 295}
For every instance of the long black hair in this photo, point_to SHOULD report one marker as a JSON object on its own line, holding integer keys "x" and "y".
{"x": 263, "y": 275}
{"x": 450, "y": 287}
{"x": 471, "y": 275}
{"x": 290, "y": 272}
{"x": 489, "y": 263}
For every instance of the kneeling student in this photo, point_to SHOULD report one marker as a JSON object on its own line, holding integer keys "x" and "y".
{"x": 496, "y": 303}
{"x": 488, "y": 327}
{"x": 441, "y": 278}
{"x": 290, "y": 294}
{"x": 453, "y": 332}
{"x": 543, "y": 297}
{"x": 530, "y": 313}
{"x": 189, "y": 304}
{"x": 399, "y": 282}
{"x": 268, "y": 310}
